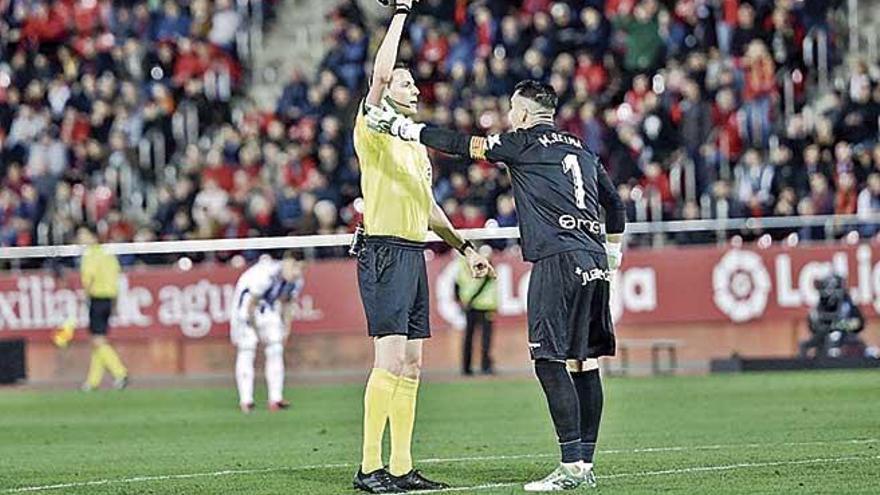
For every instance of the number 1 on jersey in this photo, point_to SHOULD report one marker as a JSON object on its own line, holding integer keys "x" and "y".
{"x": 571, "y": 164}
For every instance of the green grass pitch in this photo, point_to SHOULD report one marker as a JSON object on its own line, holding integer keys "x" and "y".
{"x": 813, "y": 432}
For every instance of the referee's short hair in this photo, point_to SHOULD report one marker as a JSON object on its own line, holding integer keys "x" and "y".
{"x": 541, "y": 93}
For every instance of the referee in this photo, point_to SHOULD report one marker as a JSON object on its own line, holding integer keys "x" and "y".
{"x": 399, "y": 209}
{"x": 99, "y": 273}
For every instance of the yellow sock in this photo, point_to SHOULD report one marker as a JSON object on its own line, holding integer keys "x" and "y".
{"x": 111, "y": 361}
{"x": 96, "y": 370}
{"x": 377, "y": 400}
{"x": 403, "y": 417}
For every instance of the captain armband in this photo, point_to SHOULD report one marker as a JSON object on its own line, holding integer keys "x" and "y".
{"x": 478, "y": 147}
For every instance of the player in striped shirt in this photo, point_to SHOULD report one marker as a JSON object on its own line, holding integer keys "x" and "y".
{"x": 261, "y": 314}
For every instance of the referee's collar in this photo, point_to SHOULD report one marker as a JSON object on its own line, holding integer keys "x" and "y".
{"x": 384, "y": 104}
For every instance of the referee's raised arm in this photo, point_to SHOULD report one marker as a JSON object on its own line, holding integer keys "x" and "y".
{"x": 396, "y": 184}
{"x": 386, "y": 57}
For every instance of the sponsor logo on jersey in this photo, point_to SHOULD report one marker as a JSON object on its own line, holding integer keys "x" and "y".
{"x": 593, "y": 274}
{"x": 570, "y": 222}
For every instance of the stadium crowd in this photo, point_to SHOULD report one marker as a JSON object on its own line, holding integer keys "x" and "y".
{"x": 699, "y": 109}
{"x": 85, "y": 85}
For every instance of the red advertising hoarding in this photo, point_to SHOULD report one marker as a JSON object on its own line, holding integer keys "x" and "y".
{"x": 674, "y": 285}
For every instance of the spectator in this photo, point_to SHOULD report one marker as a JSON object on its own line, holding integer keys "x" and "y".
{"x": 821, "y": 198}
{"x": 642, "y": 39}
{"x": 690, "y": 211}
{"x": 845, "y": 200}
{"x": 746, "y": 30}
{"x": 760, "y": 87}
{"x": 869, "y": 204}
{"x": 173, "y": 23}
{"x": 224, "y": 25}
{"x": 754, "y": 181}
{"x": 786, "y": 204}
{"x": 722, "y": 204}
{"x": 130, "y": 111}
{"x": 809, "y": 232}
{"x": 209, "y": 206}
{"x": 596, "y": 32}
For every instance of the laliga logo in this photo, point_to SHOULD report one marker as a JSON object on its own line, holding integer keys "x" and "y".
{"x": 741, "y": 285}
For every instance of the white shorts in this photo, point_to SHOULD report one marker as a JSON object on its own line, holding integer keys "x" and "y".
{"x": 270, "y": 330}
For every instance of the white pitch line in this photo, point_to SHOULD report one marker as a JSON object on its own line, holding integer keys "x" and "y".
{"x": 855, "y": 441}
{"x": 667, "y": 472}
{"x": 136, "y": 479}
{"x": 487, "y": 486}
{"x": 742, "y": 465}
{"x": 232, "y": 472}
{"x": 165, "y": 477}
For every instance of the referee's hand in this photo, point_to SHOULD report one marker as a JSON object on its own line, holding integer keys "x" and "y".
{"x": 479, "y": 265}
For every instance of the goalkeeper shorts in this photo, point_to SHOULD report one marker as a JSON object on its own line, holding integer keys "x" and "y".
{"x": 569, "y": 309}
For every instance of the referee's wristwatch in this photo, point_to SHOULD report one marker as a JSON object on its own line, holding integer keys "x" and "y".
{"x": 463, "y": 248}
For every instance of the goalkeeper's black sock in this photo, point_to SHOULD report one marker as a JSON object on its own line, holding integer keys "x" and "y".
{"x": 563, "y": 401}
{"x": 590, "y": 397}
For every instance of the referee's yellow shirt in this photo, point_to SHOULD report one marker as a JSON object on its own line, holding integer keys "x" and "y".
{"x": 395, "y": 182}
{"x": 99, "y": 272}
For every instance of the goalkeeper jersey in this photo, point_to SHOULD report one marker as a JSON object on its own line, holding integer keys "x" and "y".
{"x": 395, "y": 182}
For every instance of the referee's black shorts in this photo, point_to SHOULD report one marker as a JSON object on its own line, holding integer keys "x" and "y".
{"x": 393, "y": 282}
{"x": 568, "y": 307}
{"x": 100, "y": 310}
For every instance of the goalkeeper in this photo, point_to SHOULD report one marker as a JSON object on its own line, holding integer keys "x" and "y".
{"x": 399, "y": 209}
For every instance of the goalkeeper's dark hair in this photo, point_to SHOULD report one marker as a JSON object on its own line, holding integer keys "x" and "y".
{"x": 540, "y": 93}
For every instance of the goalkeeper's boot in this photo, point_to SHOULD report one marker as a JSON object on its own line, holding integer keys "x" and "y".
{"x": 279, "y": 405}
{"x": 414, "y": 480}
{"x": 247, "y": 408}
{"x": 564, "y": 477}
{"x": 589, "y": 477}
{"x": 379, "y": 481}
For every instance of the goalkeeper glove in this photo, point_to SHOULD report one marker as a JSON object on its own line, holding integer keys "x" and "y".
{"x": 387, "y": 121}
{"x": 615, "y": 255}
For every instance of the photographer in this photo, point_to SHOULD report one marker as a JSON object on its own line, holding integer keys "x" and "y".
{"x": 834, "y": 322}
